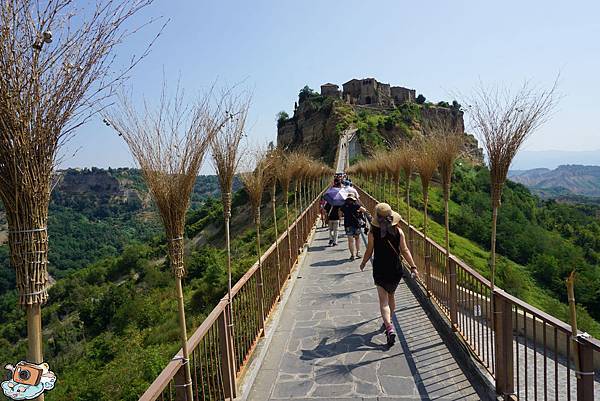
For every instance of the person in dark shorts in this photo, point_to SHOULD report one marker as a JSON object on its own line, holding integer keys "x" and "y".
{"x": 333, "y": 220}
{"x": 388, "y": 242}
{"x": 352, "y": 211}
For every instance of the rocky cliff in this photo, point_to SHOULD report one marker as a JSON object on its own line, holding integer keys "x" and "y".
{"x": 318, "y": 121}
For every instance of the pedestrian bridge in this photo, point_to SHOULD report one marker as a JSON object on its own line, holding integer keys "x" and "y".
{"x": 328, "y": 341}
{"x": 305, "y": 325}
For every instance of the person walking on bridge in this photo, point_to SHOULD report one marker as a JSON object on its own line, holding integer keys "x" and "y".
{"x": 388, "y": 242}
{"x": 352, "y": 211}
{"x": 333, "y": 217}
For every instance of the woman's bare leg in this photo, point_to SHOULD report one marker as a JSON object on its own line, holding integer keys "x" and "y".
{"x": 392, "y": 303}
{"x": 357, "y": 242}
{"x": 384, "y": 306}
{"x": 351, "y": 245}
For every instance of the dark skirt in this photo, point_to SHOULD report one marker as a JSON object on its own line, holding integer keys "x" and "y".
{"x": 387, "y": 275}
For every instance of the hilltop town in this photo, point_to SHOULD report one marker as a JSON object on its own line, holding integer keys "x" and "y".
{"x": 378, "y": 113}
{"x": 369, "y": 91}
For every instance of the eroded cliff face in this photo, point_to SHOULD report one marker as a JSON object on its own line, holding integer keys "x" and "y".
{"x": 317, "y": 123}
{"x": 312, "y": 129}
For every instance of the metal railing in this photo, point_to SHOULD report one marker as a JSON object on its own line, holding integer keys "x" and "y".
{"x": 526, "y": 351}
{"x": 217, "y": 357}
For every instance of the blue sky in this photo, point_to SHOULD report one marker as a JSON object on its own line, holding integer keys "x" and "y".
{"x": 440, "y": 48}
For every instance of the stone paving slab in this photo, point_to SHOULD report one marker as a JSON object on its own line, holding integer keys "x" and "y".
{"x": 329, "y": 344}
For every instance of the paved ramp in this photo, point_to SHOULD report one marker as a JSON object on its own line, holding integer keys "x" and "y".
{"x": 329, "y": 343}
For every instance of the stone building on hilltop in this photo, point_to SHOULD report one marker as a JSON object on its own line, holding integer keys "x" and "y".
{"x": 369, "y": 91}
{"x": 329, "y": 89}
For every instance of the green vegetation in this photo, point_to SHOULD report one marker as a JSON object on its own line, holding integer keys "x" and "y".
{"x": 281, "y": 118}
{"x": 110, "y": 325}
{"x": 111, "y": 319}
{"x": 377, "y": 129}
{"x": 540, "y": 242}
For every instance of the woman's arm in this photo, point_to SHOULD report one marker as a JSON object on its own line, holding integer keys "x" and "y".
{"x": 368, "y": 251}
{"x": 406, "y": 252}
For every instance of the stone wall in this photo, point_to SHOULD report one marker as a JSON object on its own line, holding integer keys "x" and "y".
{"x": 402, "y": 95}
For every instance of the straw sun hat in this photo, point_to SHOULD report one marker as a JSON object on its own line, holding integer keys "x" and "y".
{"x": 385, "y": 210}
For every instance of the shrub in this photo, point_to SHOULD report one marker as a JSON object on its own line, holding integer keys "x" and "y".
{"x": 282, "y": 117}
{"x": 420, "y": 99}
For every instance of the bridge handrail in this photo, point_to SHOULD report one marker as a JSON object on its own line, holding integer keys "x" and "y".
{"x": 219, "y": 351}
{"x": 464, "y": 297}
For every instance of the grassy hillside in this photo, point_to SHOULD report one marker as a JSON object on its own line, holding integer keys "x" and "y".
{"x": 110, "y": 324}
{"x": 540, "y": 242}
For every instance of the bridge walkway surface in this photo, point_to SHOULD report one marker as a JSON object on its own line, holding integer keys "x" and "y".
{"x": 329, "y": 342}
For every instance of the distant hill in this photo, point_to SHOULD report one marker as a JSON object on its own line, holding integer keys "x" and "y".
{"x": 95, "y": 213}
{"x": 551, "y": 159}
{"x": 563, "y": 181}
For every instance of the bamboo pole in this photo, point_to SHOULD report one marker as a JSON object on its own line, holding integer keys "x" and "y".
{"x": 227, "y": 218}
{"x": 184, "y": 338}
{"x": 570, "y": 281}
{"x": 274, "y": 205}
{"x": 34, "y": 336}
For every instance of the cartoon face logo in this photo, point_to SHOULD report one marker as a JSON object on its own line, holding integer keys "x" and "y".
{"x": 28, "y": 381}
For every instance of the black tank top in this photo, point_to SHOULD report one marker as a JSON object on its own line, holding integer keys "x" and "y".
{"x": 386, "y": 249}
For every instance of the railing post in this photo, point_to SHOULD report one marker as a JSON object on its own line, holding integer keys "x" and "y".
{"x": 503, "y": 339}
{"x": 585, "y": 378}
{"x": 226, "y": 349}
{"x": 453, "y": 293}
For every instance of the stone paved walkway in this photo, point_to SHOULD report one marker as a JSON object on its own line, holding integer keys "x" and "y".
{"x": 329, "y": 344}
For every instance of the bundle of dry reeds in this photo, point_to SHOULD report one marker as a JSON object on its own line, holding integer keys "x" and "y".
{"x": 406, "y": 159}
{"x": 56, "y": 67}
{"x": 503, "y": 121}
{"x": 449, "y": 144}
{"x": 255, "y": 182}
{"x": 426, "y": 164}
{"x": 169, "y": 144}
{"x": 284, "y": 174}
{"x": 226, "y": 157}
{"x": 395, "y": 168}
{"x": 275, "y": 159}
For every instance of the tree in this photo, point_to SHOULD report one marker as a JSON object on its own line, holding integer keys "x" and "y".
{"x": 282, "y": 116}
{"x": 306, "y": 93}
{"x": 420, "y": 99}
{"x": 56, "y": 68}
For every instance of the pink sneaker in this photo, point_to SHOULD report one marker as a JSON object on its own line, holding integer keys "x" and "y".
{"x": 390, "y": 335}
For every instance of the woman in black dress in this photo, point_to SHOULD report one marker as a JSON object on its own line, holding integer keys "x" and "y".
{"x": 388, "y": 242}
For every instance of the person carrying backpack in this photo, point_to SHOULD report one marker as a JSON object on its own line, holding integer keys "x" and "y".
{"x": 352, "y": 211}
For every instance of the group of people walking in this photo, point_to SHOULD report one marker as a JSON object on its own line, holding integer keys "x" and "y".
{"x": 386, "y": 243}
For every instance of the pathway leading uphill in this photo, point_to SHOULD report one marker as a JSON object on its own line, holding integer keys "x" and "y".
{"x": 329, "y": 343}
